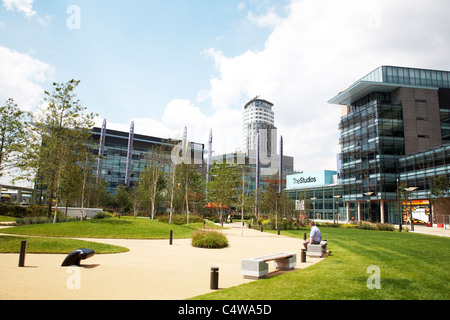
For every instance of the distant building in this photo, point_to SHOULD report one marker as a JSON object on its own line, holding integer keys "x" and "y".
{"x": 318, "y": 194}
{"x": 123, "y": 154}
{"x": 259, "y": 117}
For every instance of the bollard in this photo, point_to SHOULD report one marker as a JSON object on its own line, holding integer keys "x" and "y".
{"x": 303, "y": 258}
{"x": 23, "y": 251}
{"x": 278, "y": 231}
{"x": 214, "y": 285}
{"x": 304, "y": 236}
{"x": 262, "y": 229}
{"x": 171, "y": 237}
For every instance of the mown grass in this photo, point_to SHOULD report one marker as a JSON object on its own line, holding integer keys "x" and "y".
{"x": 413, "y": 267}
{"x": 7, "y": 219}
{"x": 11, "y": 244}
{"x": 112, "y": 228}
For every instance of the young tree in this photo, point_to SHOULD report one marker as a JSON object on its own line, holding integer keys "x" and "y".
{"x": 61, "y": 130}
{"x": 223, "y": 185}
{"x": 245, "y": 199}
{"x": 439, "y": 194}
{"x": 269, "y": 202}
{"x": 152, "y": 179}
{"x": 193, "y": 185}
{"x": 122, "y": 198}
{"x": 12, "y": 132}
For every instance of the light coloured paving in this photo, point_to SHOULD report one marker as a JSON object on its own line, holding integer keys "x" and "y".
{"x": 151, "y": 270}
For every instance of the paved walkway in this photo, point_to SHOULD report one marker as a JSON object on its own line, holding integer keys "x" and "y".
{"x": 152, "y": 270}
{"x": 443, "y": 232}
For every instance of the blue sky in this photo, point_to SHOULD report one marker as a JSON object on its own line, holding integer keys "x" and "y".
{"x": 135, "y": 55}
{"x": 170, "y": 64}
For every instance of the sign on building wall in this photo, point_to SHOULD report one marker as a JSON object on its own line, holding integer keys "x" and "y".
{"x": 420, "y": 211}
{"x": 300, "y": 205}
{"x": 310, "y": 179}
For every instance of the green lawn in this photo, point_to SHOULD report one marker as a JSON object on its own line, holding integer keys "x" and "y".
{"x": 112, "y": 228}
{"x": 413, "y": 267}
{"x": 11, "y": 244}
{"x": 7, "y": 219}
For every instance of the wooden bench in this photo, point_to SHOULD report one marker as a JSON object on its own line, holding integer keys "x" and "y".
{"x": 257, "y": 268}
{"x": 317, "y": 250}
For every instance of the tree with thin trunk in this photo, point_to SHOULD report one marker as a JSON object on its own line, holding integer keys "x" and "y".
{"x": 223, "y": 186}
{"x": 61, "y": 130}
{"x": 12, "y": 134}
{"x": 152, "y": 179}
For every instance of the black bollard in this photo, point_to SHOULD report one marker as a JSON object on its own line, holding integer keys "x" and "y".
{"x": 278, "y": 231}
{"x": 214, "y": 285}
{"x": 304, "y": 236}
{"x": 171, "y": 237}
{"x": 23, "y": 251}
{"x": 303, "y": 258}
{"x": 262, "y": 229}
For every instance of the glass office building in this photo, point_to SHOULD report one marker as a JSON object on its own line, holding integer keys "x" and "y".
{"x": 391, "y": 113}
{"x": 123, "y": 155}
{"x": 318, "y": 194}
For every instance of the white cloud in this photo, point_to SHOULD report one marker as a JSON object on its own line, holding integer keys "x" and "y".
{"x": 182, "y": 113}
{"x": 24, "y": 6}
{"x": 319, "y": 48}
{"x": 269, "y": 19}
{"x": 21, "y": 77}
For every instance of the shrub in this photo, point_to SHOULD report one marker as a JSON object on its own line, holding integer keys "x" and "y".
{"x": 102, "y": 215}
{"x": 209, "y": 239}
{"x": 384, "y": 227}
{"x": 16, "y": 211}
{"x": 180, "y": 219}
{"x": 366, "y": 226}
{"x": 33, "y": 220}
{"x": 42, "y": 220}
{"x": 349, "y": 226}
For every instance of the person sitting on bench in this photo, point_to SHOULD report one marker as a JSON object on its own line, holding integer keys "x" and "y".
{"x": 315, "y": 237}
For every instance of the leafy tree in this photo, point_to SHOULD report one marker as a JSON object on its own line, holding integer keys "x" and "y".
{"x": 122, "y": 198}
{"x": 223, "y": 185}
{"x": 12, "y": 132}
{"x": 152, "y": 180}
{"x": 61, "y": 132}
{"x": 439, "y": 194}
{"x": 246, "y": 200}
{"x": 193, "y": 185}
{"x": 441, "y": 187}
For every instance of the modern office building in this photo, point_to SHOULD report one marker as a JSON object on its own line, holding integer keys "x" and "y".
{"x": 268, "y": 174}
{"x": 418, "y": 170}
{"x": 122, "y": 155}
{"x": 389, "y": 115}
{"x": 318, "y": 194}
{"x": 259, "y": 118}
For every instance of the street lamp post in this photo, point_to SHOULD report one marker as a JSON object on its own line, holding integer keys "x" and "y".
{"x": 410, "y": 190}
{"x": 337, "y": 197}
{"x": 369, "y": 194}
{"x": 314, "y": 207}
{"x": 400, "y": 209}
